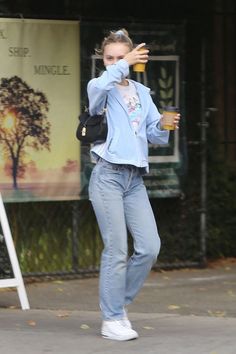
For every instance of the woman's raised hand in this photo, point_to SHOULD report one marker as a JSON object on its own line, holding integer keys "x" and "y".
{"x": 138, "y": 55}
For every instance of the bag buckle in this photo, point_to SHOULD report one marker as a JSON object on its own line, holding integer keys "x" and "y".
{"x": 83, "y": 131}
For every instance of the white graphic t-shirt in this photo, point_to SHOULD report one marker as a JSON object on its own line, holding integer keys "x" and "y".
{"x": 131, "y": 99}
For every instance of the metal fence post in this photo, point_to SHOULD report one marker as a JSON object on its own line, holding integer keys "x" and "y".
{"x": 203, "y": 139}
{"x": 75, "y": 241}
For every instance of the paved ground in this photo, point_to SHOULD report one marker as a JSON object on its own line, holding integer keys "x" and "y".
{"x": 189, "y": 311}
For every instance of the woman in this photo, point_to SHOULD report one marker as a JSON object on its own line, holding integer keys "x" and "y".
{"x": 116, "y": 187}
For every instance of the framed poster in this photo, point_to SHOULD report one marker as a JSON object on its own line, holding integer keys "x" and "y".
{"x": 39, "y": 106}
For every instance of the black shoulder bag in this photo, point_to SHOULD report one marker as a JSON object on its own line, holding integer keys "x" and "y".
{"x": 92, "y": 128}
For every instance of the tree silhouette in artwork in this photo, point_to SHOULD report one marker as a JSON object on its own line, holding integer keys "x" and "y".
{"x": 23, "y": 123}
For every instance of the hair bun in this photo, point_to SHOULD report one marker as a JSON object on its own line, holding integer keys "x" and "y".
{"x": 120, "y": 36}
{"x": 119, "y": 32}
{"x": 122, "y": 32}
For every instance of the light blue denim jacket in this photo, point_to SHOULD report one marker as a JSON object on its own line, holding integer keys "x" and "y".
{"x": 123, "y": 145}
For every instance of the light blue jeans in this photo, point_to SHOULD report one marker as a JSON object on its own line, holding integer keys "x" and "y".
{"x": 120, "y": 201}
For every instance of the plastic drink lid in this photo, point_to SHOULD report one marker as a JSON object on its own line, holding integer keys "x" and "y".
{"x": 171, "y": 109}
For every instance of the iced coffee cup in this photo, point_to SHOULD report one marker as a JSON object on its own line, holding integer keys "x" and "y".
{"x": 168, "y": 115}
{"x": 140, "y": 67}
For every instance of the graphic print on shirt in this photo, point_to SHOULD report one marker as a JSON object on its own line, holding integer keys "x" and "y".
{"x": 132, "y": 102}
{"x": 134, "y": 109}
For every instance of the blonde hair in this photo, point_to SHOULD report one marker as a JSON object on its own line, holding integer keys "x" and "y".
{"x": 120, "y": 36}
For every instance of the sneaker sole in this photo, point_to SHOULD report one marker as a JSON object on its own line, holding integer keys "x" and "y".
{"x": 121, "y": 338}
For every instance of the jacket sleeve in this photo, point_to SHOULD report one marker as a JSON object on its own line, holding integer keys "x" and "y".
{"x": 154, "y": 134}
{"x": 98, "y": 88}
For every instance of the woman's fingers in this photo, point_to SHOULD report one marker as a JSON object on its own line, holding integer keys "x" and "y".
{"x": 137, "y": 55}
{"x": 141, "y": 53}
{"x": 177, "y": 120}
{"x": 139, "y": 46}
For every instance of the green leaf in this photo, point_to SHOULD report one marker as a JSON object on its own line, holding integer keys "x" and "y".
{"x": 163, "y": 94}
{"x": 163, "y": 73}
{"x": 162, "y": 83}
{"x": 162, "y": 103}
{"x": 169, "y": 94}
{"x": 169, "y": 81}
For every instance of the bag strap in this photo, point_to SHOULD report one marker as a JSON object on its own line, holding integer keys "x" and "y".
{"x": 104, "y": 108}
{"x": 105, "y": 105}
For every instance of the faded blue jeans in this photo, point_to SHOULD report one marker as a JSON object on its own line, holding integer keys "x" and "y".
{"x": 120, "y": 201}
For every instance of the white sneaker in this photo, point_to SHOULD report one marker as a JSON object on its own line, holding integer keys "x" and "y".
{"x": 117, "y": 331}
{"x": 126, "y": 322}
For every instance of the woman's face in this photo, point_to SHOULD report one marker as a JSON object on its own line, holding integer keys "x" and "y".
{"x": 114, "y": 52}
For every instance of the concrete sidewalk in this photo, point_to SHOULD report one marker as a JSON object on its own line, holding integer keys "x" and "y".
{"x": 190, "y": 311}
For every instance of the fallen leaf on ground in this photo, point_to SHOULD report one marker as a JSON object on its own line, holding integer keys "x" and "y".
{"x": 31, "y": 323}
{"x": 84, "y": 326}
{"x": 173, "y": 307}
{"x": 217, "y": 313}
{"x": 60, "y": 290}
{"x": 231, "y": 293}
{"x": 63, "y": 314}
{"x": 148, "y": 328}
